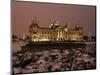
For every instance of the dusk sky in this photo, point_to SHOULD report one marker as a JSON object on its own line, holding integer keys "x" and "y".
{"x": 24, "y": 12}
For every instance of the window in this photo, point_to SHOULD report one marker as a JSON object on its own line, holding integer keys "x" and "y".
{"x": 34, "y": 32}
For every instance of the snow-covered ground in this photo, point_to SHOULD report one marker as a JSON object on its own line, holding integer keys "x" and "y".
{"x": 16, "y": 46}
{"x": 53, "y": 59}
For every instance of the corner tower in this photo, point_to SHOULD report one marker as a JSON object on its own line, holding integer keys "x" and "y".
{"x": 33, "y": 30}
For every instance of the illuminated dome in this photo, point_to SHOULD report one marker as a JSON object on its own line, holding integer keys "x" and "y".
{"x": 66, "y": 29}
{"x": 54, "y": 24}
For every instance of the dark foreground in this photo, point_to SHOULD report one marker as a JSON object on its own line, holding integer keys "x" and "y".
{"x": 52, "y": 57}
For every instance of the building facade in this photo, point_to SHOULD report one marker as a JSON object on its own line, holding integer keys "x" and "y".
{"x": 56, "y": 32}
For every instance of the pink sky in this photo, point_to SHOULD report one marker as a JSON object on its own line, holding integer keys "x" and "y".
{"x": 24, "y": 12}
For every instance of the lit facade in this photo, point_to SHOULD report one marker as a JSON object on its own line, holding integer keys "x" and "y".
{"x": 56, "y": 32}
